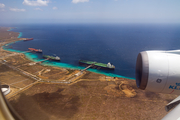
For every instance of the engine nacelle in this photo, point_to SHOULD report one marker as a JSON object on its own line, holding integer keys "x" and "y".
{"x": 159, "y": 71}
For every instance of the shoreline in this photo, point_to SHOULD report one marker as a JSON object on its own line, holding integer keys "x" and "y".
{"x": 60, "y": 65}
{"x": 39, "y": 92}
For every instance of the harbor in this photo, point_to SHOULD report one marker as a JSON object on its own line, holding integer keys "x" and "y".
{"x": 91, "y": 64}
{"x": 65, "y": 93}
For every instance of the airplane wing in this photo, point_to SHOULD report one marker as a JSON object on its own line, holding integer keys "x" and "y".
{"x": 175, "y": 113}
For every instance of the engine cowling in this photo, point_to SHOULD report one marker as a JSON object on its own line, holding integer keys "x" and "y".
{"x": 158, "y": 71}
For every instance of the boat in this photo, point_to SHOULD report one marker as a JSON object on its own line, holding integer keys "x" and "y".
{"x": 98, "y": 65}
{"x": 28, "y": 39}
{"x": 35, "y": 50}
{"x": 52, "y": 57}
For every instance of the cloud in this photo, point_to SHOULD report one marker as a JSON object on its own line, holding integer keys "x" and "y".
{"x": 17, "y": 10}
{"x": 38, "y": 9}
{"x": 54, "y": 8}
{"x": 77, "y": 1}
{"x": 36, "y": 3}
{"x": 2, "y": 5}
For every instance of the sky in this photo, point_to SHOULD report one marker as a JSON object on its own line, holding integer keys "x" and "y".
{"x": 89, "y": 11}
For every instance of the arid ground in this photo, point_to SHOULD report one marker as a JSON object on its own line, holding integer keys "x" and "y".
{"x": 49, "y": 93}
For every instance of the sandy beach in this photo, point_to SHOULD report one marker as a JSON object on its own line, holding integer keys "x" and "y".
{"x": 53, "y": 93}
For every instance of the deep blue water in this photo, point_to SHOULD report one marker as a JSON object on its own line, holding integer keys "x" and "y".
{"x": 115, "y": 43}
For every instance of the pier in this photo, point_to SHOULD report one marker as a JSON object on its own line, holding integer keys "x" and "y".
{"x": 42, "y": 61}
{"x": 88, "y": 67}
{"x": 33, "y": 63}
{"x": 26, "y": 52}
{"x": 77, "y": 75}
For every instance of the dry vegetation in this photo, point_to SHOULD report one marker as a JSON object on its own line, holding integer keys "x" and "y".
{"x": 87, "y": 100}
{"x": 90, "y": 96}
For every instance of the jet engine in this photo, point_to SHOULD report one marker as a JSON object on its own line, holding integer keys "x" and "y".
{"x": 159, "y": 71}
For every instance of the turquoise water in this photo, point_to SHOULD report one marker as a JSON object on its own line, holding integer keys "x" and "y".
{"x": 20, "y": 34}
{"x": 118, "y": 44}
{"x": 34, "y": 57}
{"x": 68, "y": 66}
{"x": 12, "y": 50}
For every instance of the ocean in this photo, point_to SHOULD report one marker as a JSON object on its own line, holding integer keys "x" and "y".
{"x": 115, "y": 43}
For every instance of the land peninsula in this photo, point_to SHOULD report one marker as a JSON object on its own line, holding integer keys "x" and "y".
{"x": 52, "y": 93}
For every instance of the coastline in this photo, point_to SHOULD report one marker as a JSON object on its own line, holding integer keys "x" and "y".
{"x": 61, "y": 93}
{"x": 20, "y": 34}
{"x": 60, "y": 65}
{"x": 27, "y": 65}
